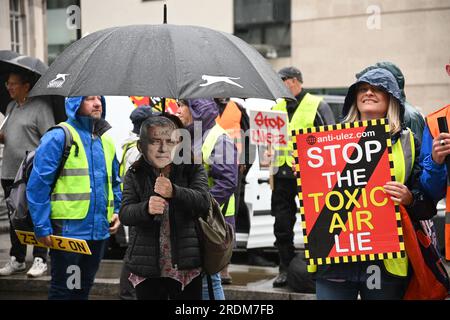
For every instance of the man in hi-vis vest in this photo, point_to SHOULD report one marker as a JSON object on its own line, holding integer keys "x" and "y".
{"x": 82, "y": 202}
{"x": 435, "y": 149}
{"x": 307, "y": 111}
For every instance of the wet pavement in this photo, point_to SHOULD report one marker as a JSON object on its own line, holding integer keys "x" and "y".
{"x": 249, "y": 282}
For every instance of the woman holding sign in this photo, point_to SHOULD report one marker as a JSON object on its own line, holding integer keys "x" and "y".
{"x": 376, "y": 95}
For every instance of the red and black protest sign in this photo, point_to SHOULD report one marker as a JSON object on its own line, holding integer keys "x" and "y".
{"x": 346, "y": 214}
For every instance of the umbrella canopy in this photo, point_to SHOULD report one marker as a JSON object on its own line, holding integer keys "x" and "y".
{"x": 8, "y": 55}
{"x": 162, "y": 61}
{"x": 11, "y": 61}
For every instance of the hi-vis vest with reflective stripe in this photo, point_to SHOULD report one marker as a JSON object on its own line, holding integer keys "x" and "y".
{"x": 71, "y": 195}
{"x": 207, "y": 149}
{"x": 123, "y": 164}
{"x": 434, "y": 130}
{"x": 403, "y": 155}
{"x": 303, "y": 117}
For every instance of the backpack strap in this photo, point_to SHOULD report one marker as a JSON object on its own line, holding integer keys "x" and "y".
{"x": 225, "y": 207}
{"x": 23, "y": 168}
{"x": 68, "y": 142}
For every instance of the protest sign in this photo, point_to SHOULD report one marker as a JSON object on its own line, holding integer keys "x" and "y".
{"x": 346, "y": 214}
{"x": 268, "y": 128}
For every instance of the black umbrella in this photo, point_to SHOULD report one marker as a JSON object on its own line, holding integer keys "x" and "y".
{"x": 11, "y": 61}
{"x": 4, "y": 95}
{"x": 164, "y": 61}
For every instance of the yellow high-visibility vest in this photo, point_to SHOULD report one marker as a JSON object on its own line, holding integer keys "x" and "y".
{"x": 303, "y": 117}
{"x": 207, "y": 149}
{"x": 70, "y": 197}
{"x": 122, "y": 165}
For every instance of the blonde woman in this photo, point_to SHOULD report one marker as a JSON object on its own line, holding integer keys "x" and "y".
{"x": 376, "y": 95}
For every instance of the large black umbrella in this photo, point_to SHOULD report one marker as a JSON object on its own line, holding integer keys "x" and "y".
{"x": 11, "y": 61}
{"x": 164, "y": 61}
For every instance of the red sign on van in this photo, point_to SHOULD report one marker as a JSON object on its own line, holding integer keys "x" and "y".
{"x": 268, "y": 128}
{"x": 347, "y": 216}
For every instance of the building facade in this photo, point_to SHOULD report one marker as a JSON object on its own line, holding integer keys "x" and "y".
{"x": 101, "y": 14}
{"x": 23, "y": 26}
{"x": 334, "y": 39}
{"x": 329, "y": 40}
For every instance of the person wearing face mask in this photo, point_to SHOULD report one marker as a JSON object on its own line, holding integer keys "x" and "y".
{"x": 162, "y": 201}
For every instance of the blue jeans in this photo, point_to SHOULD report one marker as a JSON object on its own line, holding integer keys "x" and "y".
{"x": 391, "y": 288}
{"x": 63, "y": 285}
{"x": 217, "y": 287}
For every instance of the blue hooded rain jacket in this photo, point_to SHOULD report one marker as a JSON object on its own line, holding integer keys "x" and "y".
{"x": 95, "y": 225}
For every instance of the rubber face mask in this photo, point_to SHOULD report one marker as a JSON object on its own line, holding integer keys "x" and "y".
{"x": 158, "y": 149}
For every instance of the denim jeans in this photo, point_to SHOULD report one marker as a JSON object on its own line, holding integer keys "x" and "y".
{"x": 63, "y": 277}
{"x": 391, "y": 288}
{"x": 217, "y": 287}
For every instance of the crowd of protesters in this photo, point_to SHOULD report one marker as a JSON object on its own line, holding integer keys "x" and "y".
{"x": 159, "y": 198}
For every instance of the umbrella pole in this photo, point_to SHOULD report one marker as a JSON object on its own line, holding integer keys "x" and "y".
{"x": 163, "y": 100}
{"x": 165, "y": 14}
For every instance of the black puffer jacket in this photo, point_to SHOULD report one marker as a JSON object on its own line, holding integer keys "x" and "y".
{"x": 190, "y": 200}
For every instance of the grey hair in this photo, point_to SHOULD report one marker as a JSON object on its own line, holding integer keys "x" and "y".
{"x": 151, "y": 122}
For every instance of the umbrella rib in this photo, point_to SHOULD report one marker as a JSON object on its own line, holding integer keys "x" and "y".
{"x": 174, "y": 65}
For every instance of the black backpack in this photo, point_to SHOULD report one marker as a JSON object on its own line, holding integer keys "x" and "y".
{"x": 17, "y": 203}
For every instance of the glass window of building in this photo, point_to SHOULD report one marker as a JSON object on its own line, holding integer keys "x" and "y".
{"x": 63, "y": 25}
{"x": 265, "y": 24}
{"x": 16, "y": 19}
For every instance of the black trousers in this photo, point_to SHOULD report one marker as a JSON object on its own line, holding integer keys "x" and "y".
{"x": 126, "y": 289}
{"x": 284, "y": 209}
{"x": 19, "y": 250}
{"x": 167, "y": 288}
